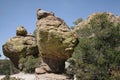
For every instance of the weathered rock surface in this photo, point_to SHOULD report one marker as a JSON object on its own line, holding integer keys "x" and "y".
{"x": 55, "y": 40}
{"x": 20, "y": 46}
{"x": 43, "y": 68}
{"x": 21, "y": 31}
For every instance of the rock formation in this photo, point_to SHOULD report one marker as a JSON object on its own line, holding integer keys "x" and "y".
{"x": 55, "y": 40}
{"x": 41, "y": 13}
{"x": 22, "y": 45}
{"x": 21, "y": 31}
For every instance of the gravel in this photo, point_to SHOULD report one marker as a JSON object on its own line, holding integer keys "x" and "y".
{"x": 46, "y": 76}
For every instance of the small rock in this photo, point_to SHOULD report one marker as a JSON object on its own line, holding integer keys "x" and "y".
{"x": 44, "y": 68}
{"x": 21, "y": 31}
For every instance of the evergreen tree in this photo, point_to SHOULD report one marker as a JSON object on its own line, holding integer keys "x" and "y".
{"x": 97, "y": 54}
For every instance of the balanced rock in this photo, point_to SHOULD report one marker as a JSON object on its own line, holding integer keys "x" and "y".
{"x": 41, "y": 13}
{"x": 20, "y": 46}
{"x": 55, "y": 40}
{"x": 21, "y": 31}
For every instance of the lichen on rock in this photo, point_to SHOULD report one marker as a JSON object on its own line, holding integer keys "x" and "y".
{"x": 20, "y": 46}
{"x": 55, "y": 41}
{"x": 21, "y": 31}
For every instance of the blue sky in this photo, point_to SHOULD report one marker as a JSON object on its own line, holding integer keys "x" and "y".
{"x": 14, "y": 13}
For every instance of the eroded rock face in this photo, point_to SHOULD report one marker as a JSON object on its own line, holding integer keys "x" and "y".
{"x": 20, "y": 46}
{"x": 55, "y": 40}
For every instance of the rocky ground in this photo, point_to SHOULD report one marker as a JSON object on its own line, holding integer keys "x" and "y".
{"x": 47, "y": 76}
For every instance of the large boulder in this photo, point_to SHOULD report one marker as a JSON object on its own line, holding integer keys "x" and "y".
{"x": 20, "y": 46}
{"x": 55, "y": 40}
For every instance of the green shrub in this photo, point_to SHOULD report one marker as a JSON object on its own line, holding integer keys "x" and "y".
{"x": 6, "y": 67}
{"x": 78, "y": 21}
{"x": 29, "y": 63}
{"x": 98, "y": 56}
